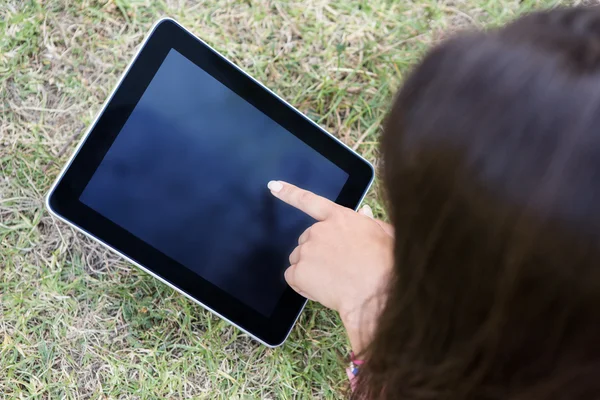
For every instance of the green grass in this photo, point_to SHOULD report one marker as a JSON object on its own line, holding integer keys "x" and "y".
{"x": 77, "y": 323}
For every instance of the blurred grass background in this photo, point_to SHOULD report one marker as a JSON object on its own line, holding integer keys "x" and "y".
{"x": 77, "y": 323}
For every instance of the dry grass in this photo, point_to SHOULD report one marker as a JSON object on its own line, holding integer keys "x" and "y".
{"x": 75, "y": 322}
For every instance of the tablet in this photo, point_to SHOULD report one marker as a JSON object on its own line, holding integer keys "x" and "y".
{"x": 172, "y": 175}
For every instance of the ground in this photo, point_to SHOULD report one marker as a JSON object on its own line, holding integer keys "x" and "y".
{"x": 76, "y": 322}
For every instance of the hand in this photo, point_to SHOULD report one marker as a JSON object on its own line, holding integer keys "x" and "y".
{"x": 343, "y": 261}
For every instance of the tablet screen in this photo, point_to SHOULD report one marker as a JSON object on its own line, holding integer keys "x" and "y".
{"x": 165, "y": 180}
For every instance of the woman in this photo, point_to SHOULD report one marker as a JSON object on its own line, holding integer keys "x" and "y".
{"x": 488, "y": 287}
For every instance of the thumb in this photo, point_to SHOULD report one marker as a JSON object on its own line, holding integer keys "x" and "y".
{"x": 366, "y": 211}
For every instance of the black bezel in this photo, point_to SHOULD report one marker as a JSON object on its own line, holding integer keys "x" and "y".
{"x": 64, "y": 199}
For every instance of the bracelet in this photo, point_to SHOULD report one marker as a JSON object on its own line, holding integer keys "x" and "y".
{"x": 352, "y": 370}
{"x": 354, "y": 364}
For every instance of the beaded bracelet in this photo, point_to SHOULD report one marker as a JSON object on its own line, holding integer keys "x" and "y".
{"x": 352, "y": 370}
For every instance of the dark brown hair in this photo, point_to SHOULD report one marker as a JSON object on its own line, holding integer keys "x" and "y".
{"x": 491, "y": 162}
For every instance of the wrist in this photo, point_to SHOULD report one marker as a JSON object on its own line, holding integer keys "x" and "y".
{"x": 360, "y": 323}
{"x": 357, "y": 339}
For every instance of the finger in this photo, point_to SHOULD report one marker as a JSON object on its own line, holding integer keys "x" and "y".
{"x": 295, "y": 256}
{"x": 290, "y": 277}
{"x": 315, "y": 206}
{"x": 304, "y": 237}
{"x": 387, "y": 228}
{"x": 366, "y": 211}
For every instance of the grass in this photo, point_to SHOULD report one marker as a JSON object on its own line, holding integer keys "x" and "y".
{"x": 77, "y": 323}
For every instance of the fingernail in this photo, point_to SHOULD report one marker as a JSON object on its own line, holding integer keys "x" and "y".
{"x": 275, "y": 186}
{"x": 366, "y": 210}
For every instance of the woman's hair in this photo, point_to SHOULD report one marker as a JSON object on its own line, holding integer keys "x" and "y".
{"x": 491, "y": 162}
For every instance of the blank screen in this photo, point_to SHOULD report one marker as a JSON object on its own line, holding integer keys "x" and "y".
{"x": 188, "y": 175}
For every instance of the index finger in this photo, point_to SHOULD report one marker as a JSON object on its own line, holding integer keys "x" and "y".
{"x": 313, "y": 205}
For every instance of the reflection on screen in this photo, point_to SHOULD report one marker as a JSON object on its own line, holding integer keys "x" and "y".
{"x": 188, "y": 173}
